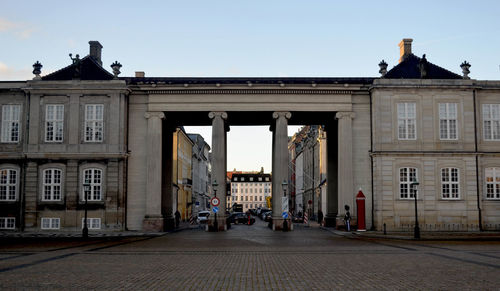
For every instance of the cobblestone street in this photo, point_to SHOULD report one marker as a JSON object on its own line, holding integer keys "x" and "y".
{"x": 248, "y": 258}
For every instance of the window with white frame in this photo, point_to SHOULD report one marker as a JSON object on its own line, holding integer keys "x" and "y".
{"x": 92, "y": 223}
{"x": 491, "y": 121}
{"x": 407, "y": 121}
{"x": 10, "y": 123}
{"x": 450, "y": 182}
{"x": 54, "y": 123}
{"x": 492, "y": 177}
{"x": 94, "y": 122}
{"x": 52, "y": 184}
{"x": 8, "y": 184}
{"x": 406, "y": 177}
{"x": 7, "y": 223}
{"x": 92, "y": 177}
{"x": 448, "y": 121}
{"x": 51, "y": 223}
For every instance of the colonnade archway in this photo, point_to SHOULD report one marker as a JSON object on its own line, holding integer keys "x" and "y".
{"x": 160, "y": 187}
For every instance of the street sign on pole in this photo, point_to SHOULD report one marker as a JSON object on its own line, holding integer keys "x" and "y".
{"x": 215, "y": 201}
{"x": 285, "y": 215}
{"x": 215, "y": 209}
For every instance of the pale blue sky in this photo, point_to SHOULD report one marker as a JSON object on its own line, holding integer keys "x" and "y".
{"x": 249, "y": 38}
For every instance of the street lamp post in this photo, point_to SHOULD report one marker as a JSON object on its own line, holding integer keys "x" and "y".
{"x": 216, "y": 224}
{"x": 285, "y": 206}
{"x": 85, "y": 230}
{"x": 416, "y": 232}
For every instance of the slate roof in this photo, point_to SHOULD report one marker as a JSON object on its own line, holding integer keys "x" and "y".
{"x": 90, "y": 69}
{"x": 409, "y": 69}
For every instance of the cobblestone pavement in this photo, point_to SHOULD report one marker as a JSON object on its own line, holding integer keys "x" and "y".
{"x": 248, "y": 258}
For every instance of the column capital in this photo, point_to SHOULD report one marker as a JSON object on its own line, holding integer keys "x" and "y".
{"x": 157, "y": 114}
{"x": 345, "y": 114}
{"x": 213, "y": 114}
{"x": 278, "y": 114}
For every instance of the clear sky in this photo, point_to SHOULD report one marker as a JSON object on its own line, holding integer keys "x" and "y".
{"x": 273, "y": 38}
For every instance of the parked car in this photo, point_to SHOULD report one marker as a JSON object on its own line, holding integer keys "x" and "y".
{"x": 267, "y": 216}
{"x": 260, "y": 213}
{"x": 240, "y": 217}
{"x": 203, "y": 217}
{"x": 298, "y": 219}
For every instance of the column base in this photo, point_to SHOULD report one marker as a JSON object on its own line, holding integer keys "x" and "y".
{"x": 278, "y": 224}
{"x": 221, "y": 224}
{"x": 151, "y": 223}
{"x": 330, "y": 221}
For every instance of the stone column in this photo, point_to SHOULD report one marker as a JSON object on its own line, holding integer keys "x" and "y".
{"x": 168, "y": 191}
{"x": 332, "y": 196}
{"x": 280, "y": 165}
{"x": 219, "y": 164}
{"x": 345, "y": 174}
{"x": 153, "y": 220}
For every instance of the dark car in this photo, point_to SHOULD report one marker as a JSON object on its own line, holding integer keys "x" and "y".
{"x": 240, "y": 217}
{"x": 267, "y": 216}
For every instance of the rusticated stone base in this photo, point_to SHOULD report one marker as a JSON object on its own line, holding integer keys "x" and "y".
{"x": 153, "y": 224}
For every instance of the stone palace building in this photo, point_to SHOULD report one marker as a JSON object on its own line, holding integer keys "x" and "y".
{"x": 84, "y": 138}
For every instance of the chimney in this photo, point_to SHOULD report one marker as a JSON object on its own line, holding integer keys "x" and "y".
{"x": 140, "y": 74}
{"x": 95, "y": 51}
{"x": 404, "y": 48}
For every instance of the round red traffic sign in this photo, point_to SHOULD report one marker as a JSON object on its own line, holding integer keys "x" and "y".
{"x": 215, "y": 201}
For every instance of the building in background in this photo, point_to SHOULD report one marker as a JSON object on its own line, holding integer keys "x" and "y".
{"x": 307, "y": 149}
{"x": 201, "y": 173}
{"x": 182, "y": 161}
{"x": 250, "y": 189}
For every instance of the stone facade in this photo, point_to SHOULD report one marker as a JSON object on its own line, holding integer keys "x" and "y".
{"x": 84, "y": 130}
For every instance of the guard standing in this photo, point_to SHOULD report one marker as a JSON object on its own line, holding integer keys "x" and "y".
{"x": 347, "y": 218}
{"x": 177, "y": 218}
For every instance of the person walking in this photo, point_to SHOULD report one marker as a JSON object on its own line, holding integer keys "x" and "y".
{"x": 177, "y": 218}
{"x": 320, "y": 217}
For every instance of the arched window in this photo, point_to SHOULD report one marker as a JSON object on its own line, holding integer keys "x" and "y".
{"x": 492, "y": 177}
{"x": 8, "y": 184}
{"x": 406, "y": 177}
{"x": 450, "y": 182}
{"x": 52, "y": 184}
{"x": 92, "y": 184}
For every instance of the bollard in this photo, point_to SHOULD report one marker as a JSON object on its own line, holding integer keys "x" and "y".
{"x": 385, "y": 230}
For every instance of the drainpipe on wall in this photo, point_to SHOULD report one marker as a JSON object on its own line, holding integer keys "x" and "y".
{"x": 371, "y": 163}
{"x": 477, "y": 162}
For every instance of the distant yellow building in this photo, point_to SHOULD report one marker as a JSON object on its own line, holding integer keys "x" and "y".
{"x": 182, "y": 173}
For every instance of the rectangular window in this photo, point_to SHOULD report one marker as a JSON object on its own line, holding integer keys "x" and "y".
{"x": 406, "y": 177}
{"x": 92, "y": 177}
{"x": 52, "y": 185}
{"x": 448, "y": 121}
{"x": 7, "y": 223}
{"x": 491, "y": 121}
{"x": 54, "y": 123}
{"x": 450, "y": 188}
{"x": 407, "y": 121}
{"x": 92, "y": 223}
{"x": 492, "y": 176}
{"x": 10, "y": 123}
{"x": 8, "y": 184}
{"x": 50, "y": 223}
{"x": 94, "y": 122}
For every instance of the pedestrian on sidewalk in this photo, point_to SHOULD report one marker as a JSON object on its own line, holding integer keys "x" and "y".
{"x": 177, "y": 218}
{"x": 320, "y": 217}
